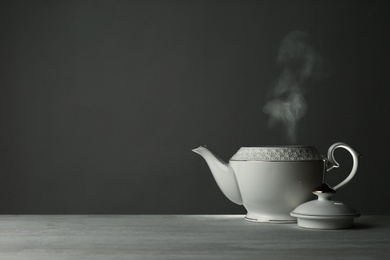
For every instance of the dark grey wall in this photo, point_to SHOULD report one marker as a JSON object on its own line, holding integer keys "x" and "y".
{"x": 102, "y": 101}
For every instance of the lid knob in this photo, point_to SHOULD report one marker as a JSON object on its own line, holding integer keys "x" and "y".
{"x": 323, "y": 188}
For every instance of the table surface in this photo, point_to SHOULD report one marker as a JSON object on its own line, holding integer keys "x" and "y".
{"x": 185, "y": 237}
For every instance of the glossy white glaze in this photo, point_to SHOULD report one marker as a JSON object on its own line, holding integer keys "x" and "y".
{"x": 271, "y": 190}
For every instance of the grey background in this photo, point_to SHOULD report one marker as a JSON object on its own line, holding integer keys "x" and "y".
{"x": 102, "y": 101}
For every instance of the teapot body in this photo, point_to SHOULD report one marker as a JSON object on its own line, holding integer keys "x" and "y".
{"x": 270, "y": 190}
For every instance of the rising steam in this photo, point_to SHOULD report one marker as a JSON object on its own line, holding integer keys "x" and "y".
{"x": 300, "y": 62}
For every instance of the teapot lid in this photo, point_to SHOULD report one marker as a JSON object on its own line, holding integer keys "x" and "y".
{"x": 324, "y": 205}
{"x": 324, "y": 213}
{"x": 277, "y": 153}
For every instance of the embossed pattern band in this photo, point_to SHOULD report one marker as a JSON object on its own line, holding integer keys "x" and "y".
{"x": 301, "y": 153}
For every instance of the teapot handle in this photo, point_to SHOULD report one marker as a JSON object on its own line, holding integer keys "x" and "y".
{"x": 332, "y": 163}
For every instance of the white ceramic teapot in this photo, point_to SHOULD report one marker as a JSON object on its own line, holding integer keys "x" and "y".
{"x": 272, "y": 181}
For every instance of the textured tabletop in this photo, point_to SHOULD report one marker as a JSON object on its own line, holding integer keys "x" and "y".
{"x": 185, "y": 237}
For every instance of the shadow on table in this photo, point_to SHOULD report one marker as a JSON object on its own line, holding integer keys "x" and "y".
{"x": 364, "y": 226}
{"x": 356, "y": 226}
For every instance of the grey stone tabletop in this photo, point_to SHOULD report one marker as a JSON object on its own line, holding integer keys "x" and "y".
{"x": 185, "y": 237}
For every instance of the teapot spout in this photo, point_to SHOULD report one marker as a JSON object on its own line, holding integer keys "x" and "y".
{"x": 223, "y": 174}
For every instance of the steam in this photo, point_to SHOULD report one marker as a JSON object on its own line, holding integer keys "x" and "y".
{"x": 300, "y": 61}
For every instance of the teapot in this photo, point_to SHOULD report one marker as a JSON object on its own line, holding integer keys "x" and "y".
{"x": 272, "y": 181}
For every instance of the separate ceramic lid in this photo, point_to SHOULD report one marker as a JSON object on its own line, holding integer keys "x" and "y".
{"x": 277, "y": 153}
{"x": 324, "y": 213}
{"x": 324, "y": 206}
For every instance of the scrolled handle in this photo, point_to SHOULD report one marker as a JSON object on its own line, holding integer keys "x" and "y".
{"x": 332, "y": 163}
